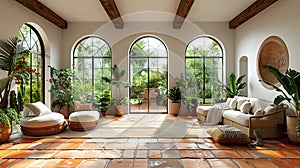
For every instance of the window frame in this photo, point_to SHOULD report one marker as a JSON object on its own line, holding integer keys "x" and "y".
{"x": 93, "y": 57}
{"x": 204, "y": 58}
{"x": 42, "y": 55}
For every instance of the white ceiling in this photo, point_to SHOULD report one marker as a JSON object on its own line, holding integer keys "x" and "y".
{"x": 202, "y": 10}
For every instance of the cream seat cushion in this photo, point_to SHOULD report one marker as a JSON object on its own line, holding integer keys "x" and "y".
{"x": 237, "y": 117}
{"x": 50, "y": 119}
{"x": 84, "y": 116}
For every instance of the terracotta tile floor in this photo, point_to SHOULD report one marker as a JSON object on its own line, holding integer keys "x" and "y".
{"x": 145, "y": 152}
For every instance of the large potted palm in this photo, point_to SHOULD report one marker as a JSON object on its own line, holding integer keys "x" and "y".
{"x": 290, "y": 92}
{"x": 13, "y": 63}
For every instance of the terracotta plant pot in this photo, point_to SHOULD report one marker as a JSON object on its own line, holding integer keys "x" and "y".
{"x": 291, "y": 123}
{"x": 174, "y": 108}
{"x": 64, "y": 110}
{"x": 119, "y": 110}
{"x": 5, "y": 132}
{"x": 103, "y": 113}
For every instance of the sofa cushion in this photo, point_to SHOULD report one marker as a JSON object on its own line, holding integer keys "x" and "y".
{"x": 257, "y": 104}
{"x": 237, "y": 117}
{"x": 50, "y": 119}
{"x": 259, "y": 112}
{"x": 245, "y": 107}
{"x": 271, "y": 108}
{"x": 239, "y": 103}
{"x": 228, "y": 101}
{"x": 233, "y": 104}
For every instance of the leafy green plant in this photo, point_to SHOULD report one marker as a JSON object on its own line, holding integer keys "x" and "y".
{"x": 103, "y": 101}
{"x": 61, "y": 87}
{"x": 290, "y": 82}
{"x": 118, "y": 83}
{"x": 174, "y": 94}
{"x": 13, "y": 62}
{"x": 235, "y": 86}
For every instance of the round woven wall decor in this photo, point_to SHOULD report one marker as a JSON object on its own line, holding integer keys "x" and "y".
{"x": 273, "y": 52}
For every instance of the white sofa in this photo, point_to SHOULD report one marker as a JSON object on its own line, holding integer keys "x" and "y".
{"x": 262, "y": 115}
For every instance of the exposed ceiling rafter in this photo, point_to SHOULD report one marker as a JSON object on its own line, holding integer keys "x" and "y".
{"x": 251, "y": 11}
{"x": 113, "y": 12}
{"x": 182, "y": 12}
{"x": 45, "y": 12}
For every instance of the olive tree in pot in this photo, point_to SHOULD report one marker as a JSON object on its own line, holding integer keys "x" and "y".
{"x": 174, "y": 94}
{"x": 290, "y": 82}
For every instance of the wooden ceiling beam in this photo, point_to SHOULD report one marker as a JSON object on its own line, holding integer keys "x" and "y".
{"x": 113, "y": 12}
{"x": 182, "y": 12}
{"x": 45, "y": 12}
{"x": 251, "y": 11}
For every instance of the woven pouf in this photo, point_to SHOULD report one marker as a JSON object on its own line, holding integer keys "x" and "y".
{"x": 83, "y": 120}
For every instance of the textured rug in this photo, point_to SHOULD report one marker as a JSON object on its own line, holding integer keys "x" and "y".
{"x": 141, "y": 126}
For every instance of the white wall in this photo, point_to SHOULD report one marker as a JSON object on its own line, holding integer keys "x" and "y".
{"x": 281, "y": 19}
{"x": 13, "y": 15}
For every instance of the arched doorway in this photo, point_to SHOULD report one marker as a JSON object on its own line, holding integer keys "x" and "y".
{"x": 148, "y": 74}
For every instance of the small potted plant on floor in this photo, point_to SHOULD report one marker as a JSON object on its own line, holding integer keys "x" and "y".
{"x": 174, "y": 94}
{"x": 290, "y": 81}
{"x": 103, "y": 101}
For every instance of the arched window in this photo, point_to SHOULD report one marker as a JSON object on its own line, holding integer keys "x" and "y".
{"x": 33, "y": 87}
{"x": 91, "y": 62}
{"x": 204, "y": 64}
{"x": 148, "y": 63}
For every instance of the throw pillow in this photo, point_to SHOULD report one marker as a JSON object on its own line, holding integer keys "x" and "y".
{"x": 218, "y": 135}
{"x": 246, "y": 107}
{"x": 239, "y": 103}
{"x": 83, "y": 107}
{"x": 232, "y": 104}
{"x": 259, "y": 112}
{"x": 269, "y": 109}
{"x": 228, "y": 101}
{"x": 37, "y": 108}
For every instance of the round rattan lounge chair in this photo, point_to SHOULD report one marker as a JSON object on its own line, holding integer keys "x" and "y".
{"x": 39, "y": 120}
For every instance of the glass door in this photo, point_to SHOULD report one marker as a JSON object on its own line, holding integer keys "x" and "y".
{"x": 148, "y": 76}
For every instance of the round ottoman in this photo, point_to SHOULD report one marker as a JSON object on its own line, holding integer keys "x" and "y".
{"x": 83, "y": 120}
{"x": 47, "y": 124}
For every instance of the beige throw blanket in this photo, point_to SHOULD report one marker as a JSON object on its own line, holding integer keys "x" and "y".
{"x": 214, "y": 115}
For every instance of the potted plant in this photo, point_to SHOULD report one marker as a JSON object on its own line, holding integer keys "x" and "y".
{"x": 236, "y": 85}
{"x": 13, "y": 62}
{"x": 188, "y": 88}
{"x": 174, "y": 94}
{"x": 103, "y": 101}
{"x": 290, "y": 82}
{"x": 62, "y": 89}
{"x": 117, "y": 81}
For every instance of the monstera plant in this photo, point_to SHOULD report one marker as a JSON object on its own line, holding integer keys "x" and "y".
{"x": 290, "y": 92}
